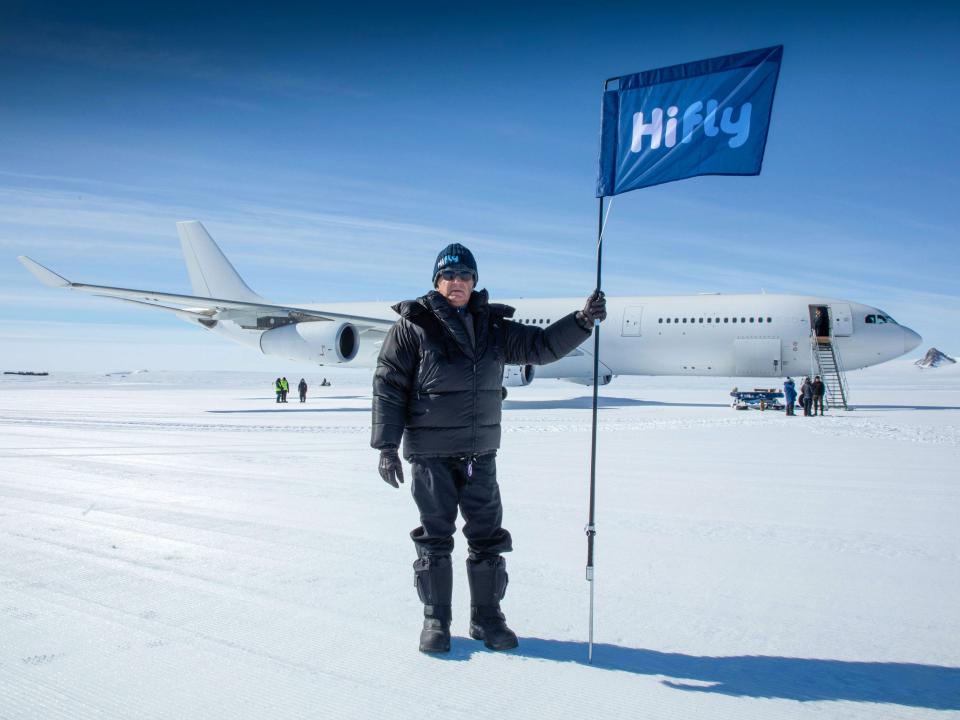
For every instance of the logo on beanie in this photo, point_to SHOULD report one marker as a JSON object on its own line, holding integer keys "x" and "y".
{"x": 447, "y": 259}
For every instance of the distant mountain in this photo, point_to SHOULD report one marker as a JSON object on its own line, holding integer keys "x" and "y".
{"x": 934, "y": 358}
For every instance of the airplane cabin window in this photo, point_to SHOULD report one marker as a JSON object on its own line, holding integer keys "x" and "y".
{"x": 769, "y": 319}
{"x": 684, "y": 320}
{"x": 726, "y": 319}
{"x": 709, "y": 319}
{"x": 676, "y": 320}
{"x": 734, "y": 319}
{"x": 700, "y": 320}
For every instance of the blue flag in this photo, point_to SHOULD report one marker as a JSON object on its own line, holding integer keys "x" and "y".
{"x": 702, "y": 118}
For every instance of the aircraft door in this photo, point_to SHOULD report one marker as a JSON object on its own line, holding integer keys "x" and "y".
{"x": 631, "y": 321}
{"x": 757, "y": 357}
{"x": 842, "y": 319}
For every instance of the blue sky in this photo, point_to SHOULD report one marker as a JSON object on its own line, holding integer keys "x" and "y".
{"x": 332, "y": 151}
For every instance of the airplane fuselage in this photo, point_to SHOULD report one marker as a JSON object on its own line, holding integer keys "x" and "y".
{"x": 756, "y": 335}
{"x": 722, "y": 335}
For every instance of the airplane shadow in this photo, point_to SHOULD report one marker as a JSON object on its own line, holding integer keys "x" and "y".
{"x": 283, "y": 410}
{"x": 310, "y": 398}
{"x": 905, "y": 407}
{"x": 586, "y": 403}
{"x": 802, "y": 679}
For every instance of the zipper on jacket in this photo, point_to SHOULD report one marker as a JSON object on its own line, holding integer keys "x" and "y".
{"x": 474, "y": 443}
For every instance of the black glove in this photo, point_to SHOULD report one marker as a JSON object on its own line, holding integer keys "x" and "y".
{"x": 595, "y": 309}
{"x": 391, "y": 470}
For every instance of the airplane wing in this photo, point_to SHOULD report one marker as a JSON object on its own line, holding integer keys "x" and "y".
{"x": 246, "y": 314}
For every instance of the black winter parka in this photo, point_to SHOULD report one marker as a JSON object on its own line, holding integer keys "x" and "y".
{"x": 441, "y": 392}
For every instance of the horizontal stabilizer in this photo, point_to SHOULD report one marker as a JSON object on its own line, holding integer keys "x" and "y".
{"x": 47, "y": 277}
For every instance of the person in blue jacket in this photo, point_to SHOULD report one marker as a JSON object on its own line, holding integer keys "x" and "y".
{"x": 790, "y": 395}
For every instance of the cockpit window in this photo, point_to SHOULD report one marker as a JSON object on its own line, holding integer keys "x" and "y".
{"x": 870, "y": 319}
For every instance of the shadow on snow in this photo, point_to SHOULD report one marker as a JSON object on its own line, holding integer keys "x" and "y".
{"x": 586, "y": 403}
{"x": 905, "y": 407}
{"x": 297, "y": 406}
{"x": 800, "y": 679}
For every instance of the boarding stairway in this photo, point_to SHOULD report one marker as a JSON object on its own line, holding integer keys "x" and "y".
{"x": 831, "y": 372}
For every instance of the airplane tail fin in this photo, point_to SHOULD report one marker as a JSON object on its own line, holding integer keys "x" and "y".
{"x": 211, "y": 274}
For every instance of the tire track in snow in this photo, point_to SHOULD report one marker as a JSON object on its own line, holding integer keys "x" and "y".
{"x": 179, "y": 426}
{"x": 356, "y": 671}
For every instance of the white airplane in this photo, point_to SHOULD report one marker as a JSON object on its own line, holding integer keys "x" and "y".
{"x": 709, "y": 334}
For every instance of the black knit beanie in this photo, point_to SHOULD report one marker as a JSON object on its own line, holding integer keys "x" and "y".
{"x": 455, "y": 257}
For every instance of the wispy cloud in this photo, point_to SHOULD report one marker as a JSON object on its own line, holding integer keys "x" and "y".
{"x": 155, "y": 54}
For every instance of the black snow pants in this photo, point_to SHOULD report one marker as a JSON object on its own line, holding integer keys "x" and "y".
{"x": 440, "y": 486}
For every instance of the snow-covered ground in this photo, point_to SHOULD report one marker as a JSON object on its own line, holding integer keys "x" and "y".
{"x": 179, "y": 546}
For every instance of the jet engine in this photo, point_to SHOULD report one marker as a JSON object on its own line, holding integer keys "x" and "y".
{"x": 518, "y": 375}
{"x": 321, "y": 342}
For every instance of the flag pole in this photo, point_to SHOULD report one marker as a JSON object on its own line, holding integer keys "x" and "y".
{"x": 591, "y": 528}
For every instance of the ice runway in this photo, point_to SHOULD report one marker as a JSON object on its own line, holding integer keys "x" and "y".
{"x": 180, "y": 546}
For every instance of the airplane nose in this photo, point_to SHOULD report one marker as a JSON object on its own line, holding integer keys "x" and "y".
{"x": 910, "y": 340}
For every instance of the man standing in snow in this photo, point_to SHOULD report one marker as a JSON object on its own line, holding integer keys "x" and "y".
{"x": 818, "y": 391}
{"x": 438, "y": 386}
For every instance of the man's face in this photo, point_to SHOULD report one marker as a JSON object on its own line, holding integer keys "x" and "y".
{"x": 455, "y": 288}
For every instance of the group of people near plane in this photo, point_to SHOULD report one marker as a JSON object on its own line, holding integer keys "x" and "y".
{"x": 282, "y": 387}
{"x": 810, "y": 395}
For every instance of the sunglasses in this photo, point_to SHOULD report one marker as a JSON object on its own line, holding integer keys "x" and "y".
{"x": 459, "y": 274}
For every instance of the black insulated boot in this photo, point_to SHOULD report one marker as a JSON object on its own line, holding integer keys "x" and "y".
{"x": 488, "y": 584}
{"x": 433, "y": 578}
